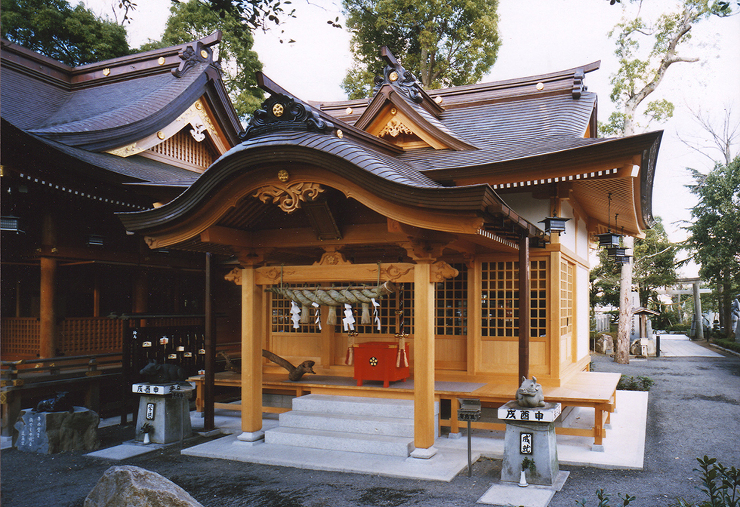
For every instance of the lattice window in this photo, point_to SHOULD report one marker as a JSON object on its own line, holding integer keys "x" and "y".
{"x": 181, "y": 147}
{"x": 566, "y": 298}
{"x": 500, "y": 299}
{"x": 451, "y": 304}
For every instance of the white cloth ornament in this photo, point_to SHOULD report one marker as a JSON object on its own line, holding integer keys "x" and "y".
{"x": 317, "y": 319}
{"x": 376, "y": 317}
{"x": 295, "y": 312}
{"x": 349, "y": 319}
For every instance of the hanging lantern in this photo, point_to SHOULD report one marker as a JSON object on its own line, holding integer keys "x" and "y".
{"x": 624, "y": 259}
{"x": 554, "y": 224}
{"x": 616, "y": 252}
{"x": 10, "y": 223}
{"x": 608, "y": 239}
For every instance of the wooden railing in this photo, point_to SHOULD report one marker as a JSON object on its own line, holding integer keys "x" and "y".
{"x": 77, "y": 336}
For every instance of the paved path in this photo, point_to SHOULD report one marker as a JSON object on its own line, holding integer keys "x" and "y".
{"x": 679, "y": 345}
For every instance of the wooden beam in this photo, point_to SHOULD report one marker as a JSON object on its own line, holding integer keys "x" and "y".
{"x": 395, "y": 272}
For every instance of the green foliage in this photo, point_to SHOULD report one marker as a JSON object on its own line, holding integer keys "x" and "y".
{"x": 193, "y": 20}
{"x": 719, "y": 483}
{"x": 443, "y": 43}
{"x": 728, "y": 344}
{"x": 528, "y": 464}
{"x": 250, "y": 14}
{"x": 715, "y": 230}
{"x": 642, "y": 69}
{"x": 654, "y": 264}
{"x": 639, "y": 383}
{"x": 605, "y": 499}
{"x": 74, "y": 36}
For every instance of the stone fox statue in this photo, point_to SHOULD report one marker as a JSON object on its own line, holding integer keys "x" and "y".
{"x": 294, "y": 372}
{"x": 530, "y": 393}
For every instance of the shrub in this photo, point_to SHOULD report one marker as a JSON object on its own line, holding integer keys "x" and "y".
{"x": 604, "y": 499}
{"x": 635, "y": 383}
{"x": 728, "y": 344}
{"x": 718, "y": 482}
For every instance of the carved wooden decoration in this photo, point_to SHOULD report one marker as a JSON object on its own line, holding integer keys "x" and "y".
{"x": 288, "y": 197}
{"x": 395, "y": 127}
{"x": 442, "y": 271}
{"x": 332, "y": 258}
{"x": 235, "y": 275}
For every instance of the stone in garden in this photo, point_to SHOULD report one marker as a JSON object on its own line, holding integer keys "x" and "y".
{"x": 130, "y": 486}
{"x": 605, "y": 344}
{"x": 53, "y": 432}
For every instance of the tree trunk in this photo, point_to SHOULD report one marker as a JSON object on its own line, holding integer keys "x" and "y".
{"x": 622, "y": 351}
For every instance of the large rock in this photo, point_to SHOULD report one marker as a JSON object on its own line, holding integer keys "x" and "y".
{"x": 130, "y": 486}
{"x": 52, "y": 432}
{"x": 604, "y": 344}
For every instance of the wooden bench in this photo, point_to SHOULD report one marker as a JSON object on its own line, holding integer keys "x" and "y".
{"x": 595, "y": 390}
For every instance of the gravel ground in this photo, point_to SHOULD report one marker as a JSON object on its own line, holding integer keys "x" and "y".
{"x": 694, "y": 409}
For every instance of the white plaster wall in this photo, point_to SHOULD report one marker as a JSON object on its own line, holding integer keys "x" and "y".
{"x": 533, "y": 210}
{"x": 582, "y": 302}
{"x": 569, "y": 239}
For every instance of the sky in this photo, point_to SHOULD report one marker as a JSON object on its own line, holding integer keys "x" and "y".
{"x": 538, "y": 36}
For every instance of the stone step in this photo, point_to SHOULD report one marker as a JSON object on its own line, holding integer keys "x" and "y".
{"x": 354, "y": 405}
{"x": 337, "y": 441}
{"x": 348, "y": 423}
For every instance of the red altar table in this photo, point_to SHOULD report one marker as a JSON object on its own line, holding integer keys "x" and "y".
{"x": 377, "y": 361}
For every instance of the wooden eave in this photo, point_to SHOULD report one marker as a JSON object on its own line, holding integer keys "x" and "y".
{"x": 247, "y": 170}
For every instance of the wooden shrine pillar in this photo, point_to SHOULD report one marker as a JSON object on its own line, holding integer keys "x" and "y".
{"x": 251, "y": 377}
{"x": 425, "y": 429}
{"x": 48, "y": 333}
{"x": 209, "y": 394}
{"x": 525, "y": 283}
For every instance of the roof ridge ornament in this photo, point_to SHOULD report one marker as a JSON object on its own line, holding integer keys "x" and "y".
{"x": 192, "y": 55}
{"x": 578, "y": 86}
{"x": 395, "y": 75}
{"x": 283, "y": 112}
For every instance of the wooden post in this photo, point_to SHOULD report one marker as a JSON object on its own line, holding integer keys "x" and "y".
{"x": 425, "y": 430}
{"x": 47, "y": 312}
{"x": 251, "y": 376}
{"x": 210, "y": 359}
{"x": 524, "y": 306}
{"x": 48, "y": 325}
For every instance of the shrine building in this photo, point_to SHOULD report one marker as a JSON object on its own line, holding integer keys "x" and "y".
{"x": 430, "y": 204}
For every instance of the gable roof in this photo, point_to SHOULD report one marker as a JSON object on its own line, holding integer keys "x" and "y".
{"x": 86, "y": 110}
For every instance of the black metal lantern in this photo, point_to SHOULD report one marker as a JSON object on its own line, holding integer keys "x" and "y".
{"x": 624, "y": 259}
{"x": 554, "y": 224}
{"x": 609, "y": 239}
{"x": 10, "y": 223}
{"x": 616, "y": 252}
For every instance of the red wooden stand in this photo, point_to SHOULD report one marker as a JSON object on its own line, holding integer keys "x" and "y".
{"x": 377, "y": 361}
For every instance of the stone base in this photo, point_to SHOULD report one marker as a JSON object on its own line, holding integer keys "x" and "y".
{"x": 53, "y": 432}
{"x": 544, "y": 453}
{"x": 171, "y": 418}
{"x": 427, "y": 453}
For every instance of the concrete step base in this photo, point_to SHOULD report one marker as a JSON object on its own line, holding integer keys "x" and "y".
{"x": 336, "y": 441}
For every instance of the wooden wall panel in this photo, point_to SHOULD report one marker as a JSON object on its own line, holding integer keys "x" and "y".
{"x": 451, "y": 353}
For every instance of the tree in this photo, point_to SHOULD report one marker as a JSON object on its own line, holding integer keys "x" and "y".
{"x": 654, "y": 264}
{"x": 193, "y": 20}
{"x": 74, "y": 36}
{"x": 715, "y": 229}
{"x": 637, "y": 78}
{"x": 640, "y": 74}
{"x": 251, "y": 14}
{"x": 443, "y": 43}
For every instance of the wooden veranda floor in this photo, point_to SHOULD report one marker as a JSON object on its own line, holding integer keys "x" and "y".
{"x": 595, "y": 390}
